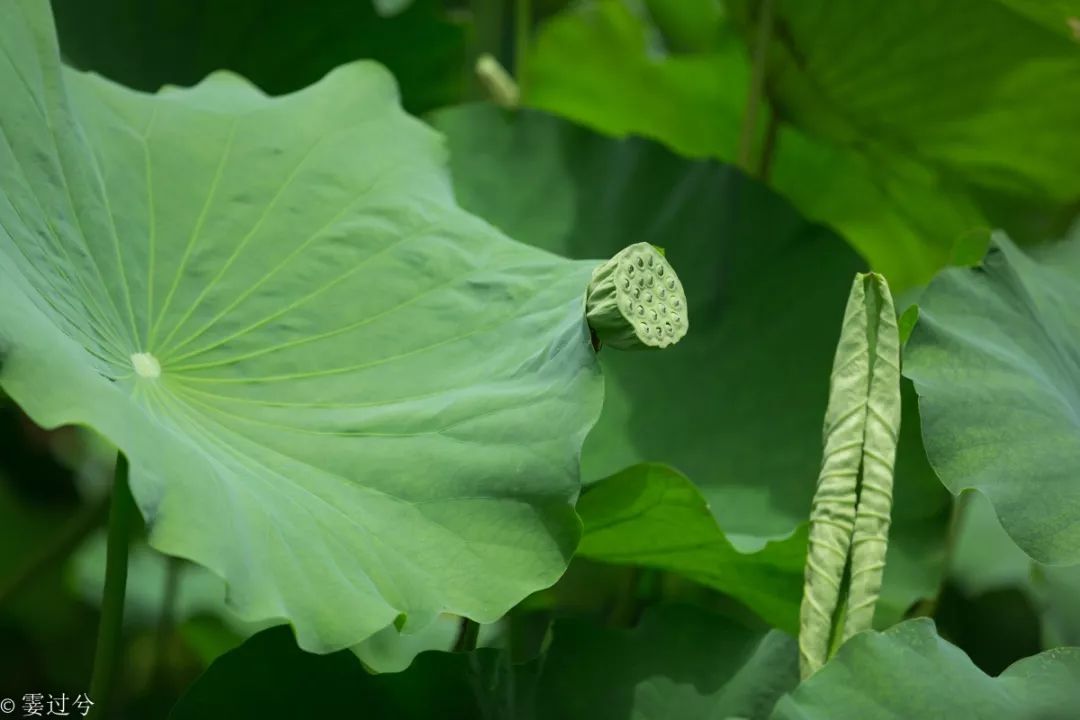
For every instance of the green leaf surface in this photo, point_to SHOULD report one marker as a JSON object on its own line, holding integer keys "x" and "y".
{"x": 737, "y": 404}
{"x": 968, "y": 86}
{"x": 652, "y": 516}
{"x": 1061, "y": 16}
{"x": 279, "y": 46}
{"x": 338, "y": 391}
{"x": 984, "y": 556}
{"x": 199, "y": 594}
{"x": 1057, "y": 596}
{"x": 921, "y": 512}
{"x": 679, "y": 663}
{"x": 270, "y": 677}
{"x": 595, "y": 65}
{"x": 987, "y": 560}
{"x": 994, "y": 360}
{"x": 197, "y": 590}
{"x": 909, "y": 672}
{"x": 688, "y": 26}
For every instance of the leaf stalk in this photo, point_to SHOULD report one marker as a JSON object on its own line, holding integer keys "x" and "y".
{"x": 755, "y": 97}
{"x": 522, "y": 31}
{"x": 122, "y": 515}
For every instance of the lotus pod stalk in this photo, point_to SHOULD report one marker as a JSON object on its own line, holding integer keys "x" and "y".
{"x": 499, "y": 84}
{"x": 636, "y": 302}
{"x": 850, "y": 515}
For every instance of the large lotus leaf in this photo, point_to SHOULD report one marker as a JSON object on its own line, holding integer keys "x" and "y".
{"x": 198, "y": 594}
{"x": 337, "y": 390}
{"x": 986, "y": 560}
{"x": 994, "y": 360}
{"x": 279, "y": 46}
{"x": 922, "y": 509}
{"x": 1056, "y": 592}
{"x": 680, "y": 662}
{"x": 196, "y": 591}
{"x": 909, "y": 672}
{"x": 969, "y": 86}
{"x": 688, "y": 26}
{"x": 595, "y": 64}
{"x": 738, "y": 404}
{"x": 1061, "y": 16}
{"x": 652, "y": 516}
{"x": 201, "y": 595}
{"x": 268, "y": 676}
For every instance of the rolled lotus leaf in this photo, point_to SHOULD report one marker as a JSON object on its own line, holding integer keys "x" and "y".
{"x": 850, "y": 516}
{"x": 873, "y": 517}
{"x": 635, "y": 301}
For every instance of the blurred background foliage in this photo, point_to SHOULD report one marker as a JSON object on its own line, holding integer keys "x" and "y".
{"x": 772, "y": 147}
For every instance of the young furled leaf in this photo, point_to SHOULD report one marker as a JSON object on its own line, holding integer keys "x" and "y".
{"x": 849, "y": 520}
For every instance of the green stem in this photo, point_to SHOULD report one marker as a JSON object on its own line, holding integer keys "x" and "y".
{"x": 755, "y": 97}
{"x": 487, "y": 32}
{"x": 643, "y": 587}
{"x": 165, "y": 619}
{"x": 522, "y": 30}
{"x": 467, "y": 636}
{"x": 772, "y": 132}
{"x": 122, "y": 515}
{"x": 952, "y": 537}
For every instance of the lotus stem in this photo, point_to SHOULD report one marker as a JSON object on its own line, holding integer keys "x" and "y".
{"x": 749, "y": 131}
{"x": 122, "y": 515}
{"x": 468, "y": 635}
{"x": 522, "y": 31}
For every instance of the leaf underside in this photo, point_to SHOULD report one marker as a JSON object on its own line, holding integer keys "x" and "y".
{"x": 679, "y": 662}
{"x": 337, "y": 390}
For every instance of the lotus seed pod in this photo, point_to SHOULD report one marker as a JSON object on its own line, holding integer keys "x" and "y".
{"x": 635, "y": 301}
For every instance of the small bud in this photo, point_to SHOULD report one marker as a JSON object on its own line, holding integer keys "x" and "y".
{"x": 624, "y": 305}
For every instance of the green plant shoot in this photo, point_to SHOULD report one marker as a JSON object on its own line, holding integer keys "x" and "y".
{"x": 849, "y": 519}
